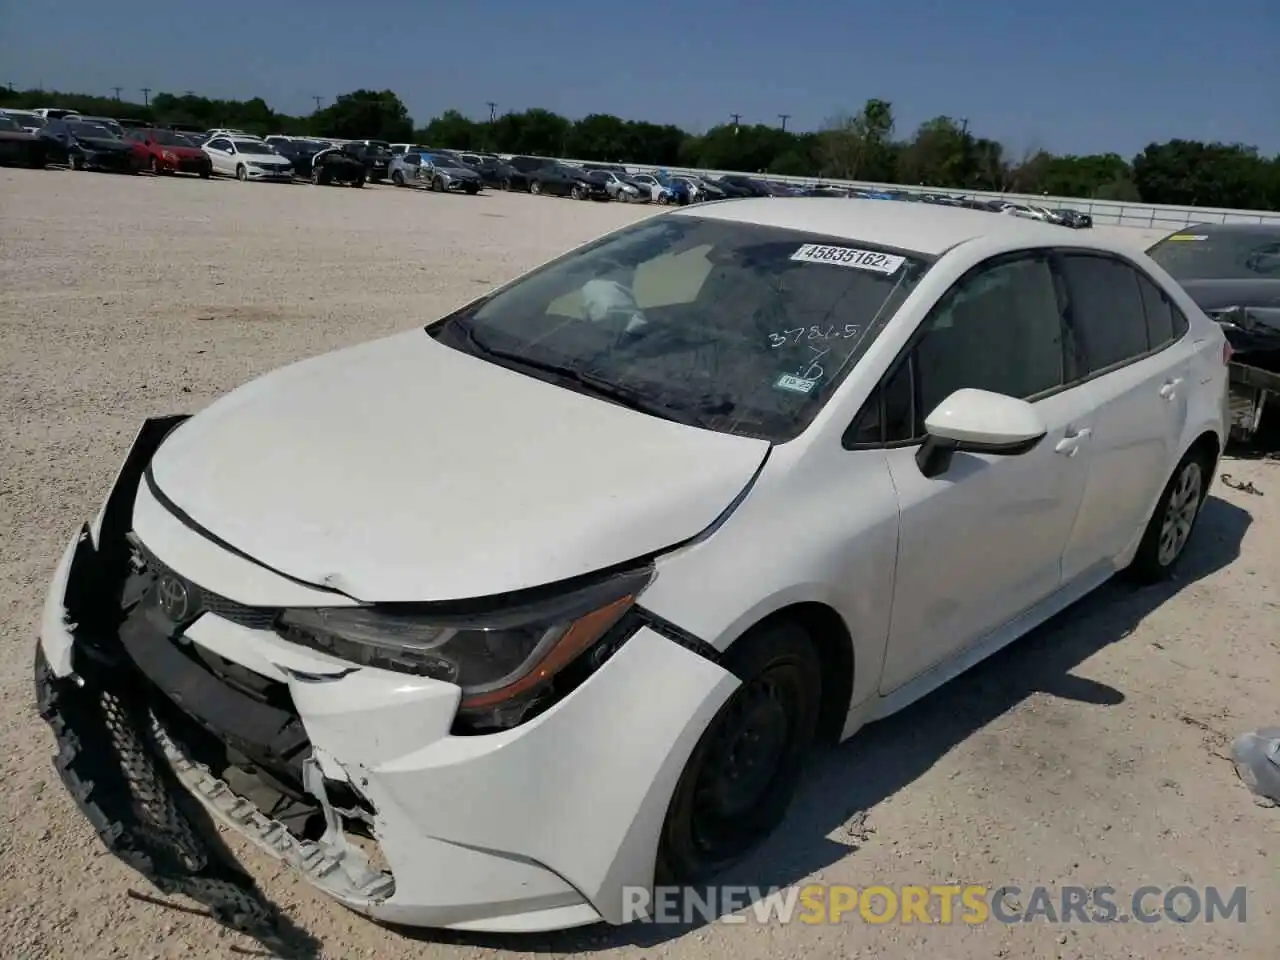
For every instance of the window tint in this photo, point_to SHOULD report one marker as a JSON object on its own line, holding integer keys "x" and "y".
{"x": 1162, "y": 328}
{"x": 1106, "y": 309}
{"x": 998, "y": 329}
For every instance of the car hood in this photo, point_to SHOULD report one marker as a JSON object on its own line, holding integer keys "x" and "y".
{"x": 459, "y": 173}
{"x": 405, "y": 470}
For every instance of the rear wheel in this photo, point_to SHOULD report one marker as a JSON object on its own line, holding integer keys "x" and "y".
{"x": 743, "y": 773}
{"x": 578, "y": 193}
{"x": 1169, "y": 530}
{"x": 535, "y": 187}
{"x": 358, "y": 181}
{"x": 398, "y": 178}
{"x": 77, "y": 161}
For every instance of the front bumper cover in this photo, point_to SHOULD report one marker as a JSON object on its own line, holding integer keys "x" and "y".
{"x": 533, "y": 828}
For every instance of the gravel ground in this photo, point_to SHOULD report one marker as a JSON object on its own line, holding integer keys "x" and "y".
{"x": 1090, "y": 753}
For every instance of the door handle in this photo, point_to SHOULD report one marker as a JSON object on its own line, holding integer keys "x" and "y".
{"x": 1070, "y": 444}
{"x": 1170, "y": 388}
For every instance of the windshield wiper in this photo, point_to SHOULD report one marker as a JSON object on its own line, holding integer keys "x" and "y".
{"x": 624, "y": 396}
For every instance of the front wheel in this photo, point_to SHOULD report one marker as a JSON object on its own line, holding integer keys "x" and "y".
{"x": 578, "y": 193}
{"x": 743, "y": 773}
{"x": 154, "y": 166}
{"x": 77, "y": 161}
{"x": 506, "y": 183}
{"x": 397, "y": 178}
{"x": 535, "y": 187}
{"x": 242, "y": 174}
{"x": 1164, "y": 542}
{"x": 358, "y": 182}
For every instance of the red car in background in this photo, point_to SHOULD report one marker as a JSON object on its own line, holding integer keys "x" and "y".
{"x": 163, "y": 151}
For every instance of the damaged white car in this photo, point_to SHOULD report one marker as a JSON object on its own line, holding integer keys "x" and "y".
{"x": 482, "y": 623}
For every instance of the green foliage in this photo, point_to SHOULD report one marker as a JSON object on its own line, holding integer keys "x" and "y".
{"x": 942, "y": 152}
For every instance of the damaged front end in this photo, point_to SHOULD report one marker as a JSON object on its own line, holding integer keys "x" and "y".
{"x": 141, "y": 726}
{"x": 1254, "y": 371}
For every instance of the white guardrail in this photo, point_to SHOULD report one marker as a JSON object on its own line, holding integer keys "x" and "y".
{"x": 1115, "y": 212}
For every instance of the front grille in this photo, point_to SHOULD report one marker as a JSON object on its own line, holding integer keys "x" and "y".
{"x": 206, "y": 601}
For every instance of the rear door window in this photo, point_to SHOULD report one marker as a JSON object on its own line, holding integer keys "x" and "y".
{"x": 1106, "y": 309}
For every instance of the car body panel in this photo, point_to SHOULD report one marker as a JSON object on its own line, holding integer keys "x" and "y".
{"x": 402, "y": 470}
{"x": 428, "y": 500}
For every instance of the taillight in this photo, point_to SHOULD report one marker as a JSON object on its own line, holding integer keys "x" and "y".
{"x": 1227, "y": 352}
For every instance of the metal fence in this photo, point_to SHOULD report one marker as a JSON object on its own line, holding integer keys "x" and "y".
{"x": 1115, "y": 212}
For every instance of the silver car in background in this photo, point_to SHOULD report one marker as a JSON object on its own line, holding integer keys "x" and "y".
{"x": 435, "y": 171}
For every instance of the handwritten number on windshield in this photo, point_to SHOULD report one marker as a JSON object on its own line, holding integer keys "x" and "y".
{"x": 796, "y": 335}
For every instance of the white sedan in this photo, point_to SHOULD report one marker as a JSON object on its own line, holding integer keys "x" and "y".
{"x": 247, "y": 158}
{"x": 723, "y": 483}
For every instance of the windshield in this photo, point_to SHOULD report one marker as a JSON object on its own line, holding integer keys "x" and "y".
{"x": 735, "y": 327}
{"x": 1192, "y": 255}
{"x": 253, "y": 146}
{"x": 82, "y": 129}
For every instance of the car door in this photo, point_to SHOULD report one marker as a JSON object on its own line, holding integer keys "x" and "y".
{"x": 982, "y": 542}
{"x": 1137, "y": 355}
{"x": 220, "y": 155}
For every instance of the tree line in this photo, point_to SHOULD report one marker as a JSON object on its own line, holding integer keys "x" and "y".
{"x": 865, "y": 145}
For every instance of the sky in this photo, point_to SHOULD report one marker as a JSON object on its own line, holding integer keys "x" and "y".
{"x": 1081, "y": 76}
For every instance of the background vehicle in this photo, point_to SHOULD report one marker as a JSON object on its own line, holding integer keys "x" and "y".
{"x": 494, "y": 172}
{"x": 247, "y": 159}
{"x": 1073, "y": 218}
{"x": 562, "y": 180}
{"x": 1232, "y": 271}
{"x": 753, "y": 186}
{"x": 522, "y": 167}
{"x": 622, "y": 189}
{"x": 342, "y": 164}
{"x": 299, "y": 151}
{"x": 115, "y": 126}
{"x": 163, "y": 151}
{"x": 28, "y": 120}
{"x": 20, "y": 148}
{"x": 88, "y": 146}
{"x": 445, "y": 173}
{"x": 377, "y": 159}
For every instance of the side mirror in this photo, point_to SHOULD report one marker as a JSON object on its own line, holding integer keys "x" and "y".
{"x": 978, "y": 421}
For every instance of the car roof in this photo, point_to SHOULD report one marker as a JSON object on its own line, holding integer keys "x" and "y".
{"x": 926, "y": 228}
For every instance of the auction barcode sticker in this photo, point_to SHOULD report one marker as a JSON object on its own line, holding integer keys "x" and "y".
{"x": 885, "y": 263}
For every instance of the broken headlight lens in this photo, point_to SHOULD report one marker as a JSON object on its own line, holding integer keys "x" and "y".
{"x": 493, "y": 655}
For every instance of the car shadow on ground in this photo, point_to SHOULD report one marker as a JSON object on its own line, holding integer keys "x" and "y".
{"x": 888, "y": 755}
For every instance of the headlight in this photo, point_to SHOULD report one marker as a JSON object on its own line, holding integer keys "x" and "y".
{"x": 496, "y": 656}
{"x": 169, "y": 156}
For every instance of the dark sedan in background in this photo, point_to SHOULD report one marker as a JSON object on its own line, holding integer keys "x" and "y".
{"x": 562, "y": 180}
{"x": 88, "y": 146}
{"x": 1232, "y": 271}
{"x": 20, "y": 148}
{"x": 299, "y": 152}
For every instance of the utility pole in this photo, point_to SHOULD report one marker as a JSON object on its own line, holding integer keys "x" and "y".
{"x": 117, "y": 90}
{"x": 964, "y": 126}
{"x": 493, "y": 107}
{"x": 784, "y": 117}
{"x": 146, "y": 96}
{"x": 736, "y": 118}
{"x": 317, "y": 100}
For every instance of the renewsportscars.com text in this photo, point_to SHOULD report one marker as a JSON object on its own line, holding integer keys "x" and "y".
{"x": 969, "y": 904}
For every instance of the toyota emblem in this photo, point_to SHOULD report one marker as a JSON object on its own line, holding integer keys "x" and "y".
{"x": 173, "y": 598}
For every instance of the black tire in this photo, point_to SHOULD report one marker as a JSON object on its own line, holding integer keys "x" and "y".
{"x": 472, "y": 190}
{"x": 577, "y": 193}
{"x": 206, "y": 173}
{"x": 506, "y": 183}
{"x": 77, "y": 161}
{"x": 437, "y": 185}
{"x": 1164, "y": 542}
{"x": 397, "y": 178}
{"x": 358, "y": 182}
{"x": 535, "y": 187}
{"x": 242, "y": 173}
{"x": 773, "y": 713}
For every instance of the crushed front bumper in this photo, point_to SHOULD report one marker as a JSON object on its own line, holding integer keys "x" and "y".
{"x": 532, "y": 828}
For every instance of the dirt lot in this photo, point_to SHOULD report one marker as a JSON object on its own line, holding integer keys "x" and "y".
{"x": 1090, "y": 753}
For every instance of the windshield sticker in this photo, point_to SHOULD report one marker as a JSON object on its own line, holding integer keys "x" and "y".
{"x": 849, "y": 257}
{"x": 1189, "y": 236}
{"x": 804, "y": 334}
{"x": 794, "y": 384}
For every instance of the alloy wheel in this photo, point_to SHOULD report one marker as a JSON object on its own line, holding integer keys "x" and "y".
{"x": 1180, "y": 514}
